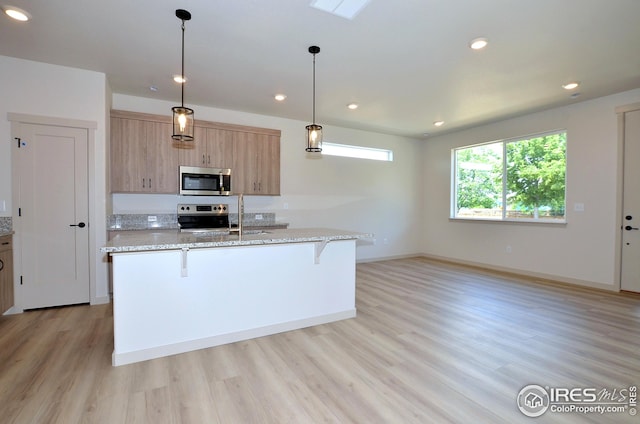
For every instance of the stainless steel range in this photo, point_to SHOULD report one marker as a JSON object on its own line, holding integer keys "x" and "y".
{"x": 203, "y": 218}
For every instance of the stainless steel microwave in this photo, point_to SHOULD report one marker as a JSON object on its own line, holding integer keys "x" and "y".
{"x": 196, "y": 181}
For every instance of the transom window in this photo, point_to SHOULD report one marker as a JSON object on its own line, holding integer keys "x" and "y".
{"x": 515, "y": 179}
{"x": 359, "y": 152}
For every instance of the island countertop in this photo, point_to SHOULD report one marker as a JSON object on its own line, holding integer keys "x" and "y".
{"x": 171, "y": 240}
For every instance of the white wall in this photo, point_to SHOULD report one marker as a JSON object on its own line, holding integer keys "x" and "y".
{"x": 583, "y": 250}
{"x": 383, "y": 198}
{"x": 35, "y": 88}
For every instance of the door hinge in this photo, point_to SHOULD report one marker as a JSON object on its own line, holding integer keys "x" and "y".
{"x": 19, "y": 211}
{"x": 18, "y": 140}
{"x": 21, "y": 280}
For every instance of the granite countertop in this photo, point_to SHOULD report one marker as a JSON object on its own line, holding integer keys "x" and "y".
{"x": 134, "y": 241}
{"x": 6, "y": 233}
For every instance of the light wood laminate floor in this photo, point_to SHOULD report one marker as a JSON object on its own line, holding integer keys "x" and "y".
{"x": 432, "y": 343}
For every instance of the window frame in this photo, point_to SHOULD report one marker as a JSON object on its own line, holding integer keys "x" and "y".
{"x": 503, "y": 217}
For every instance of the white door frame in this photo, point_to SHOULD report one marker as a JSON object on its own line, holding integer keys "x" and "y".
{"x": 620, "y": 111}
{"x": 16, "y": 120}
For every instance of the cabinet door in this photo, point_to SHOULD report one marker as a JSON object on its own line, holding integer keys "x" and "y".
{"x": 220, "y": 148}
{"x": 269, "y": 166}
{"x": 127, "y": 155}
{"x": 194, "y": 153}
{"x": 6, "y": 274}
{"x": 161, "y": 159}
{"x": 256, "y": 164}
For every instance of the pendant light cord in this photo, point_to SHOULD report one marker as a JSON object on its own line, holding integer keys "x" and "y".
{"x": 184, "y": 79}
{"x": 314, "y": 90}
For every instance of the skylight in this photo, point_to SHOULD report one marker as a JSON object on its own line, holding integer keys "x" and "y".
{"x": 347, "y": 9}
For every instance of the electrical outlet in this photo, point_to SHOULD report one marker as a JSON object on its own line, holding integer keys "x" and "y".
{"x": 385, "y": 241}
{"x": 152, "y": 218}
{"x": 508, "y": 249}
{"x": 578, "y": 207}
{"x": 258, "y": 216}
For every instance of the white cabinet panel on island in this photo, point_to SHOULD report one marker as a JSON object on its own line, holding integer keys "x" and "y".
{"x": 195, "y": 292}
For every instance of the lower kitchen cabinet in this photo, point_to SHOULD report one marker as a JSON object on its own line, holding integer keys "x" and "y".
{"x": 6, "y": 273}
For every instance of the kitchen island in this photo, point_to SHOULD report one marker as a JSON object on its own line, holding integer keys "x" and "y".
{"x": 176, "y": 292}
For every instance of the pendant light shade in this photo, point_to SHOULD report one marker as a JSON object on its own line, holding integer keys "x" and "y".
{"x": 314, "y": 131}
{"x": 182, "y": 116}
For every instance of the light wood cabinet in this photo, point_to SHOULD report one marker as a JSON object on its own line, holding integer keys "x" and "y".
{"x": 143, "y": 159}
{"x": 256, "y": 164}
{"x": 212, "y": 148}
{"x": 6, "y": 273}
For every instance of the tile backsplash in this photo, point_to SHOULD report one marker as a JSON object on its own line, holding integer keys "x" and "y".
{"x": 6, "y": 225}
{"x": 170, "y": 221}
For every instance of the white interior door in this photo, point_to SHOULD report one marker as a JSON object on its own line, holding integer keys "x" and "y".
{"x": 53, "y": 202}
{"x": 630, "y": 267}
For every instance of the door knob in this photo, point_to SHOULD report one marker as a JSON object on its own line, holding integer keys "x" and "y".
{"x": 629, "y": 228}
{"x": 79, "y": 224}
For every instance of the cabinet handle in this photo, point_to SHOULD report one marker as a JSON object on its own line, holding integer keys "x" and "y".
{"x": 208, "y": 159}
{"x": 4, "y": 243}
{"x": 203, "y": 161}
{"x": 254, "y": 186}
{"x": 260, "y": 186}
{"x": 149, "y": 182}
{"x": 1, "y": 265}
{"x": 143, "y": 186}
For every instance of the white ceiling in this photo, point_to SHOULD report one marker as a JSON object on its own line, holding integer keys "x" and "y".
{"x": 406, "y": 62}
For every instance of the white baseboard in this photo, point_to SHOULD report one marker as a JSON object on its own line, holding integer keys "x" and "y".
{"x": 101, "y": 300}
{"x": 124, "y": 358}
{"x": 529, "y": 274}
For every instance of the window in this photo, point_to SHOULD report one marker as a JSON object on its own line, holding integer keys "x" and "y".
{"x": 344, "y": 150}
{"x": 514, "y": 180}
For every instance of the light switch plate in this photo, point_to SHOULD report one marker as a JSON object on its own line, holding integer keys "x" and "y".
{"x": 578, "y": 207}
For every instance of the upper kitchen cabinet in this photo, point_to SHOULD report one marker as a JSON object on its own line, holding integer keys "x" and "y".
{"x": 256, "y": 163}
{"x": 211, "y": 148}
{"x": 143, "y": 156}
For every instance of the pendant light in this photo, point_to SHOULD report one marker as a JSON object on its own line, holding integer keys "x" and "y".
{"x": 314, "y": 131}
{"x": 182, "y": 116}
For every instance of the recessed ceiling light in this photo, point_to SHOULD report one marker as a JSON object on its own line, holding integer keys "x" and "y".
{"x": 280, "y": 97}
{"x": 179, "y": 79}
{"x": 16, "y": 13}
{"x": 478, "y": 43}
{"x": 438, "y": 123}
{"x": 571, "y": 85}
{"x": 352, "y": 106}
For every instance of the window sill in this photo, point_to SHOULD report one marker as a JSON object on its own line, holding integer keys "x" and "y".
{"x": 549, "y": 222}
